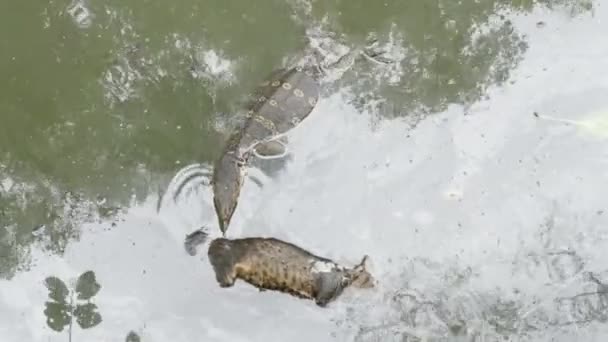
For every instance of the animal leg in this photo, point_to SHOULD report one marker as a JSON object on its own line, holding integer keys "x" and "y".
{"x": 274, "y": 149}
{"x": 369, "y": 52}
{"x": 372, "y": 54}
{"x": 269, "y": 147}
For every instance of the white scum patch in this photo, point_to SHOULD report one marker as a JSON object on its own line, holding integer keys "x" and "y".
{"x": 80, "y": 13}
{"x": 11, "y": 187}
{"x": 216, "y": 64}
{"x": 212, "y": 65}
{"x": 119, "y": 81}
{"x": 323, "y": 266}
{"x": 6, "y": 184}
{"x": 123, "y": 80}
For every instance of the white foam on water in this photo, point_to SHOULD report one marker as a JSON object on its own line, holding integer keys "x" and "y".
{"x": 134, "y": 65}
{"x": 80, "y": 13}
{"x": 217, "y": 65}
{"x": 212, "y": 64}
{"x": 7, "y": 184}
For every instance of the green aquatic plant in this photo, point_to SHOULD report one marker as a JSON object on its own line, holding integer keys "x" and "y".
{"x": 66, "y": 304}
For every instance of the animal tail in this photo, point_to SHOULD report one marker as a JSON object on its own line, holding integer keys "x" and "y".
{"x": 194, "y": 239}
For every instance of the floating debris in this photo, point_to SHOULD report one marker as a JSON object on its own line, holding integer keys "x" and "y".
{"x": 595, "y": 124}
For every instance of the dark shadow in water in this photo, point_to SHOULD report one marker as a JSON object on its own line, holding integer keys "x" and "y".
{"x": 132, "y": 337}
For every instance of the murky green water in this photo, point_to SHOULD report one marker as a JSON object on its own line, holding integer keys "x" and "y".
{"x": 99, "y": 110}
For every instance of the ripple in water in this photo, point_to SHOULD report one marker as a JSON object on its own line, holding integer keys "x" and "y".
{"x": 187, "y": 182}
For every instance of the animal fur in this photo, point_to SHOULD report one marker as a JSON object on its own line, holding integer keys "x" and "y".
{"x": 272, "y": 264}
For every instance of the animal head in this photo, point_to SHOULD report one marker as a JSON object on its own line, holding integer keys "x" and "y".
{"x": 361, "y": 277}
{"x": 227, "y": 182}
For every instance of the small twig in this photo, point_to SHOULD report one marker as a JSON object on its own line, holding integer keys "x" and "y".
{"x": 565, "y": 121}
{"x": 71, "y": 315}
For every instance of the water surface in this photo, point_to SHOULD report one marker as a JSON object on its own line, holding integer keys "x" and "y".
{"x": 481, "y": 219}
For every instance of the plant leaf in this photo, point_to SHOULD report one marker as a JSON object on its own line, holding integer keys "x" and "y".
{"x": 58, "y": 291}
{"x": 87, "y": 286}
{"x": 132, "y": 337}
{"x": 57, "y": 315}
{"x": 86, "y": 315}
